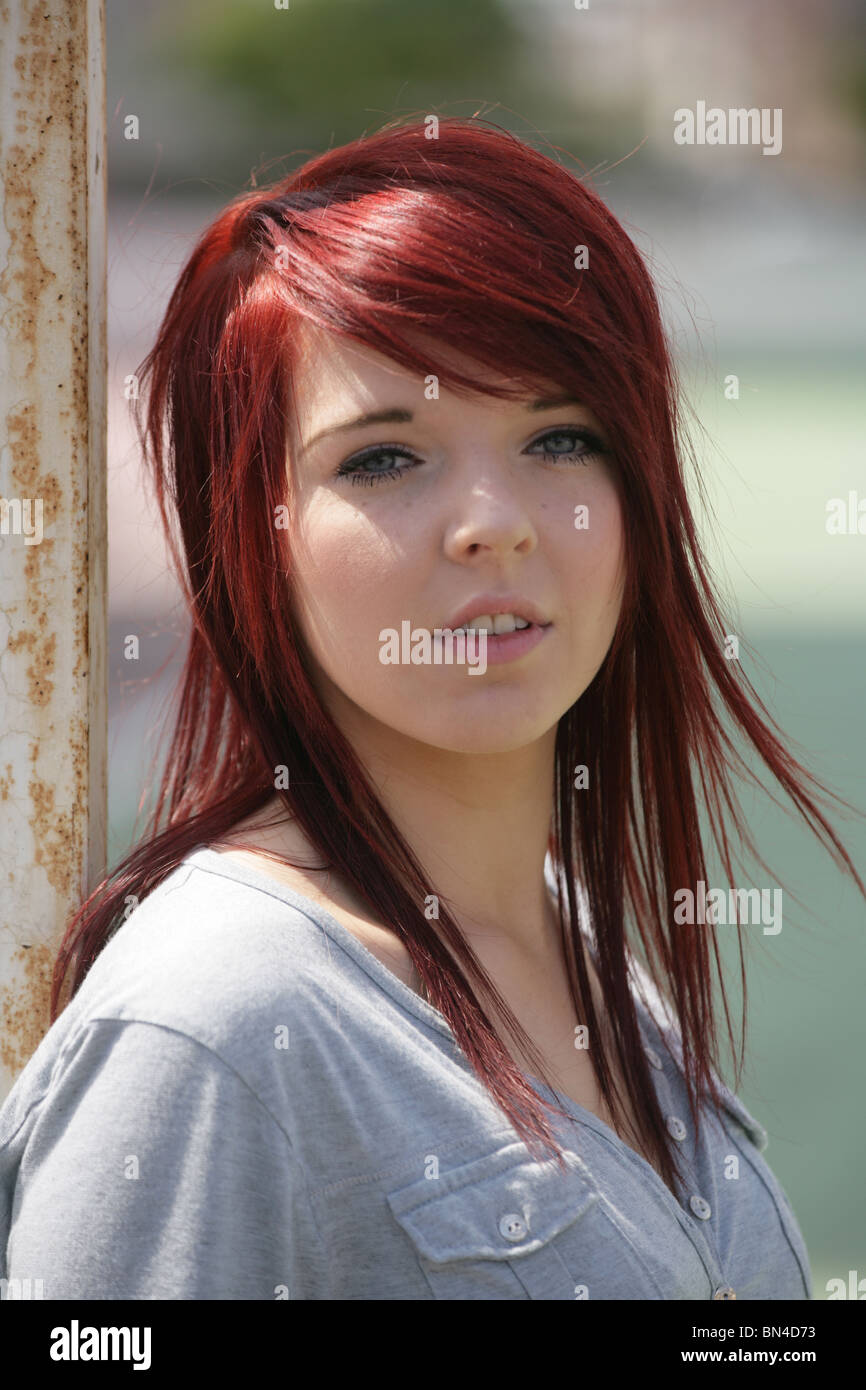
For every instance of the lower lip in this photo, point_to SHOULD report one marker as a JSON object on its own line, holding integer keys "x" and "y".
{"x": 508, "y": 646}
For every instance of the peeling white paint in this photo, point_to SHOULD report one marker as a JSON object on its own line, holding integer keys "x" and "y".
{"x": 52, "y": 467}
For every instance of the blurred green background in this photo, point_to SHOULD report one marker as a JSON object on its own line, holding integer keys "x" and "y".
{"x": 759, "y": 264}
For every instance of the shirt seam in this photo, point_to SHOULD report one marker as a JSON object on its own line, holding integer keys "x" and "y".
{"x": 363, "y": 1179}
{"x": 212, "y": 1052}
{"x": 70, "y": 1047}
{"x": 190, "y": 1037}
{"x": 57, "y": 1067}
{"x": 777, "y": 1205}
{"x": 682, "y": 1219}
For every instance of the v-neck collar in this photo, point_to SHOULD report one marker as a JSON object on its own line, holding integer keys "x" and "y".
{"x": 211, "y": 861}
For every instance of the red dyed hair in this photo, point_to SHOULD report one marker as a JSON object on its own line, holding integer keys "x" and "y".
{"x": 470, "y": 238}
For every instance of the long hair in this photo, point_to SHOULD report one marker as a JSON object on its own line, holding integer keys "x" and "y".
{"x": 471, "y": 238}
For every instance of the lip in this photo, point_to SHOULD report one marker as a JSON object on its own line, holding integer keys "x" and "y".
{"x": 498, "y": 603}
{"x": 508, "y": 646}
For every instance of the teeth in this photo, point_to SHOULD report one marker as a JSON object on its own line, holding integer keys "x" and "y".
{"x": 503, "y": 622}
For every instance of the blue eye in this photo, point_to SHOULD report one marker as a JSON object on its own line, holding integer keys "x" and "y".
{"x": 594, "y": 446}
{"x": 350, "y": 469}
{"x": 353, "y": 467}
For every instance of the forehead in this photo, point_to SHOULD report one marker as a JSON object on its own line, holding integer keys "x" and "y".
{"x": 331, "y": 371}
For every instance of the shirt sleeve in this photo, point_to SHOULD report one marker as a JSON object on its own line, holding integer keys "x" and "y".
{"x": 153, "y": 1171}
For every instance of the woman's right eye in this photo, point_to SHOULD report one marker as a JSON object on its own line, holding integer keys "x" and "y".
{"x": 352, "y": 468}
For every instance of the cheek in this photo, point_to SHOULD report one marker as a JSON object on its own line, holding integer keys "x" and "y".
{"x": 597, "y": 553}
{"x": 341, "y": 573}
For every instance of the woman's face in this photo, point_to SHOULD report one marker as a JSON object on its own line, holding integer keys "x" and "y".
{"x": 477, "y": 509}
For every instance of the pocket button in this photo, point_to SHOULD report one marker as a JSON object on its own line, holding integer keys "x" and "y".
{"x": 512, "y": 1227}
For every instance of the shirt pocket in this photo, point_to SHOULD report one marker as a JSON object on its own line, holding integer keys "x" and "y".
{"x": 505, "y": 1226}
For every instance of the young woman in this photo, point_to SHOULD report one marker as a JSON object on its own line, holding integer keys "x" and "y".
{"x": 394, "y": 999}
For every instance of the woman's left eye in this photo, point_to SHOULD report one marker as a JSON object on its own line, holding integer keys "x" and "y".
{"x": 594, "y": 445}
{"x": 354, "y": 467}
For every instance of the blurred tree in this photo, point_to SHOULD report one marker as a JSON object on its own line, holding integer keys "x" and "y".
{"x": 323, "y": 72}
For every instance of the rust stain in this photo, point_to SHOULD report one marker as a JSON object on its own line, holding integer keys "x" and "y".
{"x": 7, "y": 781}
{"x": 41, "y": 668}
{"x": 44, "y": 288}
{"x": 25, "y": 1008}
{"x": 55, "y": 850}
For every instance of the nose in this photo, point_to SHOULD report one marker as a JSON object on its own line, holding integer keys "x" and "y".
{"x": 487, "y": 522}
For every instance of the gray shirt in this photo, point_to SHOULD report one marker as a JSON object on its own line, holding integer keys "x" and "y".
{"x": 242, "y": 1102}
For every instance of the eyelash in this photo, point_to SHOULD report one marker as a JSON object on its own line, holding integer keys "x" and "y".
{"x": 351, "y": 468}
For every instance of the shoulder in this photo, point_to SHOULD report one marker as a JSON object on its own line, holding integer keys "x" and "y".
{"x": 136, "y": 1146}
{"x": 206, "y": 986}
{"x": 204, "y": 965}
{"x": 205, "y": 954}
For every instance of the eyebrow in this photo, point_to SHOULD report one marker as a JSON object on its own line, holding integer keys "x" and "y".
{"x": 397, "y": 416}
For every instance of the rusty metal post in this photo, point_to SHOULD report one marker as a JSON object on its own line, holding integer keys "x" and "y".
{"x": 53, "y": 542}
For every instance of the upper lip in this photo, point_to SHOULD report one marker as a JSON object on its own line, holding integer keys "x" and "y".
{"x": 498, "y": 603}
